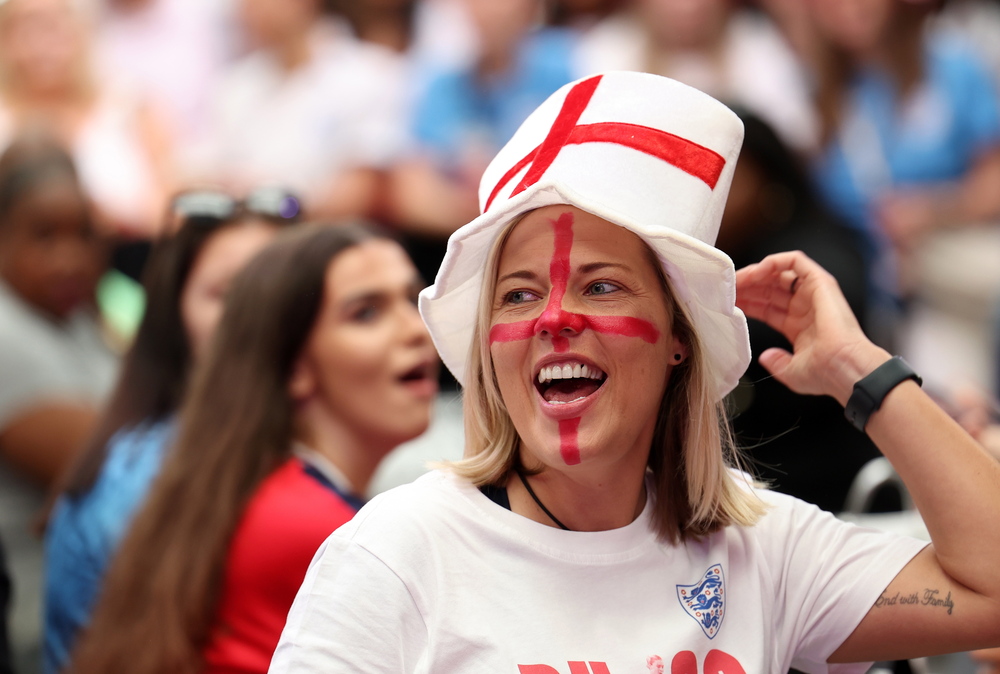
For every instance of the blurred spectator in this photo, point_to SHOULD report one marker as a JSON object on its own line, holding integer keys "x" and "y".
{"x": 801, "y": 444}
{"x": 55, "y": 366}
{"x": 976, "y": 22}
{"x": 120, "y": 148}
{"x": 911, "y": 129}
{"x": 172, "y": 52}
{"x": 580, "y": 14}
{"x": 310, "y": 107}
{"x": 388, "y": 23}
{"x": 320, "y": 367}
{"x": 189, "y": 275}
{"x": 732, "y": 53}
{"x": 429, "y": 33}
{"x": 465, "y": 115}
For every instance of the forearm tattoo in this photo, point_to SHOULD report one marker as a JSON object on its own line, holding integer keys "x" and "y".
{"x": 928, "y": 597}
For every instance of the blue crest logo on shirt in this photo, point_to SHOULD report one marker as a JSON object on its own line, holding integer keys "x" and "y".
{"x": 705, "y": 601}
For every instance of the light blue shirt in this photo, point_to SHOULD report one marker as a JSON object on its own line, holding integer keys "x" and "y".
{"x": 887, "y": 144}
{"x": 84, "y": 533}
{"x": 458, "y": 114}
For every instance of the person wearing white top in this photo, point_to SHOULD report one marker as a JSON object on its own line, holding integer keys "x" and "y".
{"x": 597, "y": 522}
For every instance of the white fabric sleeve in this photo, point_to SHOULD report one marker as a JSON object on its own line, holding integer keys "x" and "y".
{"x": 352, "y": 614}
{"x": 828, "y": 574}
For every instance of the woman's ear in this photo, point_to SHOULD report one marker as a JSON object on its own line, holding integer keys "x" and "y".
{"x": 302, "y": 383}
{"x": 678, "y": 352}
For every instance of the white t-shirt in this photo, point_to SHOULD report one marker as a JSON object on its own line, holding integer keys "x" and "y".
{"x": 435, "y": 577}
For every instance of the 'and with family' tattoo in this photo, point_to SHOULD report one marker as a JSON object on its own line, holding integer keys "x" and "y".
{"x": 929, "y": 597}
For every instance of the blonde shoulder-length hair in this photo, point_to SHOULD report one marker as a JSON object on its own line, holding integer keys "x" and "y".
{"x": 692, "y": 457}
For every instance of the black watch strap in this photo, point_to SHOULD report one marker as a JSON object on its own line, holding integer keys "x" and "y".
{"x": 871, "y": 391}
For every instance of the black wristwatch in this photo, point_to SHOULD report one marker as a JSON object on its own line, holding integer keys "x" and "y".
{"x": 871, "y": 391}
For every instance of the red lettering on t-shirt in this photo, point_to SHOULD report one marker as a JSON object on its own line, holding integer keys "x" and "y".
{"x": 720, "y": 662}
{"x": 685, "y": 662}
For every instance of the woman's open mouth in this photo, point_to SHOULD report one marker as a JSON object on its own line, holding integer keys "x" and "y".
{"x": 422, "y": 378}
{"x": 568, "y": 382}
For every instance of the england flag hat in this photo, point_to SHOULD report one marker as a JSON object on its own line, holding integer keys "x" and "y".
{"x": 641, "y": 151}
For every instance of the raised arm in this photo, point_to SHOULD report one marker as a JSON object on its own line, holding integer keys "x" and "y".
{"x": 948, "y": 597}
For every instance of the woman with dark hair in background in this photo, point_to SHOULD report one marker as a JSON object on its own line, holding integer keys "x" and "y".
{"x": 186, "y": 281}
{"x": 321, "y": 366}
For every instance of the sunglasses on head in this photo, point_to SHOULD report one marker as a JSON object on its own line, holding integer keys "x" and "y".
{"x": 210, "y": 207}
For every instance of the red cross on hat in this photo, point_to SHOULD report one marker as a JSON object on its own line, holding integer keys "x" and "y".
{"x": 699, "y": 161}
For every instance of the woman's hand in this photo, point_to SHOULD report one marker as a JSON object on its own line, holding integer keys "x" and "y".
{"x": 953, "y": 482}
{"x": 798, "y": 298}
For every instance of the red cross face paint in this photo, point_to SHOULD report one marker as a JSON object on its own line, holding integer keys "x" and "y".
{"x": 580, "y": 339}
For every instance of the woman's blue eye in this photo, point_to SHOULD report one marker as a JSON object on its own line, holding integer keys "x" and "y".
{"x": 520, "y": 297}
{"x": 601, "y": 288}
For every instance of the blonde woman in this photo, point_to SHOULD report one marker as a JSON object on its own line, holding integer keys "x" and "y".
{"x": 598, "y": 522}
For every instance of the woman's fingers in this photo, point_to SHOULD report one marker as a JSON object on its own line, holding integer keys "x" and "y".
{"x": 765, "y": 291}
{"x": 775, "y": 360}
{"x": 795, "y": 296}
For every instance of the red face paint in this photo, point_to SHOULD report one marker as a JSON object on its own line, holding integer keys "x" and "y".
{"x": 512, "y": 332}
{"x": 568, "y": 446}
{"x": 554, "y": 320}
{"x": 625, "y": 326}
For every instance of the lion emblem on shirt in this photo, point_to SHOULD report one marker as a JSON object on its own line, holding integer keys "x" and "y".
{"x": 705, "y": 601}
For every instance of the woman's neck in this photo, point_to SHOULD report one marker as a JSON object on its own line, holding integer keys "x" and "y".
{"x": 356, "y": 457}
{"x": 294, "y": 51}
{"x": 579, "y": 504}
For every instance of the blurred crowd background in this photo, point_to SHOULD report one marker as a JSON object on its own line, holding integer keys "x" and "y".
{"x": 872, "y": 143}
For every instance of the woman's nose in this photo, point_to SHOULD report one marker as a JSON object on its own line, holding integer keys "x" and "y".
{"x": 556, "y": 322}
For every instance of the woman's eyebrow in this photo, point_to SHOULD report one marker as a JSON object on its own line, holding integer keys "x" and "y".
{"x": 597, "y": 266}
{"x": 363, "y": 297}
{"x": 520, "y": 274}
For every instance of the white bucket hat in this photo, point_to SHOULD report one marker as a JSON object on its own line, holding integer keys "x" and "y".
{"x": 641, "y": 151}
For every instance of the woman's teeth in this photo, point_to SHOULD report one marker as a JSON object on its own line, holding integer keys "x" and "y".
{"x": 575, "y": 371}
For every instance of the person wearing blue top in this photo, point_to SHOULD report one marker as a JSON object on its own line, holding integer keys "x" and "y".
{"x": 912, "y": 132}
{"x": 461, "y": 111}
{"x": 185, "y": 284}
{"x": 84, "y": 534}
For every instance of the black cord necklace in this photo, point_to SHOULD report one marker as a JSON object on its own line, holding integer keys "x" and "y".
{"x": 531, "y": 493}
